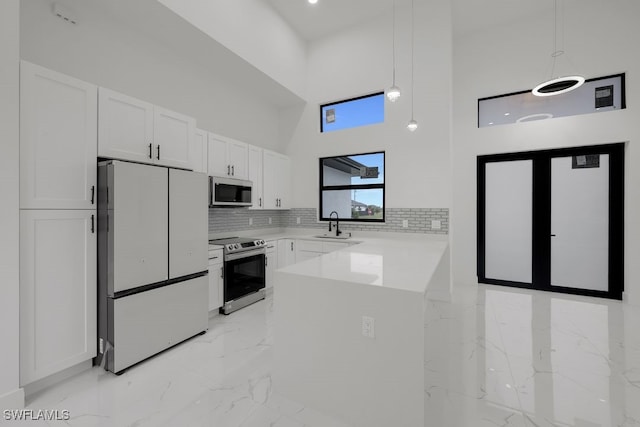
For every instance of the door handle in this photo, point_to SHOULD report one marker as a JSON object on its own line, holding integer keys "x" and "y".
{"x": 150, "y": 154}
{"x": 158, "y": 152}
{"x": 233, "y": 172}
{"x": 93, "y": 193}
{"x": 93, "y": 230}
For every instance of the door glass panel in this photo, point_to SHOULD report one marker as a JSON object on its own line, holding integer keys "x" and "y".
{"x": 580, "y": 222}
{"x": 508, "y": 220}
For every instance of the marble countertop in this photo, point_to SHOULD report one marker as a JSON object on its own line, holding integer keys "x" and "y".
{"x": 397, "y": 261}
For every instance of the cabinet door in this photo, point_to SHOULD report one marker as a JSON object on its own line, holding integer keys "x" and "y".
{"x": 238, "y": 157}
{"x": 173, "y": 135}
{"x": 255, "y": 176}
{"x": 215, "y": 286}
{"x": 286, "y": 252}
{"x": 57, "y": 291}
{"x": 138, "y": 216}
{"x": 284, "y": 182}
{"x": 188, "y": 222}
{"x": 198, "y": 151}
{"x": 125, "y": 127}
{"x": 270, "y": 179}
{"x": 217, "y": 164}
{"x": 271, "y": 263}
{"x": 58, "y": 140}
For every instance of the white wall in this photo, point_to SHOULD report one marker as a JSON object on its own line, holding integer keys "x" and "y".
{"x": 358, "y": 62}
{"x": 11, "y": 396}
{"x": 101, "y": 50}
{"x": 254, "y": 31}
{"x": 600, "y": 39}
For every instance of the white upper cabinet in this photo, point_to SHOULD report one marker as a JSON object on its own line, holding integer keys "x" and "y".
{"x": 125, "y": 127}
{"x": 227, "y": 157}
{"x": 58, "y": 145}
{"x": 276, "y": 180}
{"x": 131, "y": 129}
{"x": 255, "y": 176}
{"x": 198, "y": 152}
{"x": 173, "y": 134}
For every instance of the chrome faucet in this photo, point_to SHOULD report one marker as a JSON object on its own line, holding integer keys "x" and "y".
{"x": 338, "y": 232}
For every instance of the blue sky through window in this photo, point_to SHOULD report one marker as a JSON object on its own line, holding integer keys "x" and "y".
{"x": 353, "y": 113}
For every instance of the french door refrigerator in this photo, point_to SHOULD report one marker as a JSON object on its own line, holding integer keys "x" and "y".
{"x": 152, "y": 260}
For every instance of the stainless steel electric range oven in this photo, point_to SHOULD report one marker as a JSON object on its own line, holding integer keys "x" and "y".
{"x": 244, "y": 272}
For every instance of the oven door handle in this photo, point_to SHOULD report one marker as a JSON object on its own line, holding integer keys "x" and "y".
{"x": 245, "y": 254}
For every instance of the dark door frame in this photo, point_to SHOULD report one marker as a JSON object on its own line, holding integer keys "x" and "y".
{"x": 541, "y": 229}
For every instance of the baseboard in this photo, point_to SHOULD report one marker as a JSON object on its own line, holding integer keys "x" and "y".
{"x": 46, "y": 382}
{"x": 12, "y": 400}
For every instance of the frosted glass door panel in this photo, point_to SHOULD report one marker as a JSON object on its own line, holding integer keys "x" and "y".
{"x": 508, "y": 220}
{"x": 580, "y": 223}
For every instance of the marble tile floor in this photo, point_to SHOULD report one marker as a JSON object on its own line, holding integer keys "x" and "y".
{"x": 494, "y": 357}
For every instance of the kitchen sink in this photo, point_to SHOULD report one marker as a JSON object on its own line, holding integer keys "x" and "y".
{"x": 332, "y": 236}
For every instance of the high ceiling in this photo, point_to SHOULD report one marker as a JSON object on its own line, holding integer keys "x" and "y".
{"x": 312, "y": 22}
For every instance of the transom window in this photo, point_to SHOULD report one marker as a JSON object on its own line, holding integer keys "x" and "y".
{"x": 351, "y": 113}
{"x": 353, "y": 186}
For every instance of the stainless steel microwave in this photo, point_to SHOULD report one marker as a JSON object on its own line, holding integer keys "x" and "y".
{"x": 229, "y": 192}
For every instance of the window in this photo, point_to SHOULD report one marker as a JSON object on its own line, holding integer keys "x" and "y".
{"x": 353, "y": 186}
{"x": 594, "y": 96}
{"x": 351, "y": 113}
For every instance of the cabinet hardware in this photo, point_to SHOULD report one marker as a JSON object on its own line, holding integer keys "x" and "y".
{"x": 266, "y": 261}
{"x": 292, "y": 246}
{"x": 260, "y": 201}
{"x": 150, "y": 154}
{"x": 222, "y": 272}
{"x": 158, "y": 152}
{"x": 553, "y": 235}
{"x": 233, "y": 172}
{"x": 93, "y": 230}
{"x": 228, "y": 169}
{"x": 93, "y": 193}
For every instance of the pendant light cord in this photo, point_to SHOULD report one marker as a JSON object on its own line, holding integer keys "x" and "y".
{"x": 412, "y": 55}
{"x": 394, "y": 42}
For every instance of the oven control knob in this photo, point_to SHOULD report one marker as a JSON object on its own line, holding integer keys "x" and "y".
{"x": 229, "y": 247}
{"x": 235, "y": 246}
{"x": 262, "y": 242}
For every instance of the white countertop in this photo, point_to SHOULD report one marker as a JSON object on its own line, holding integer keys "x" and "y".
{"x": 396, "y": 261}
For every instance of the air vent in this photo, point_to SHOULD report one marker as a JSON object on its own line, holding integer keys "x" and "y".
{"x": 64, "y": 13}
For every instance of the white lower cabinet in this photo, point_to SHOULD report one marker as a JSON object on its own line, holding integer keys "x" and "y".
{"x": 286, "y": 252}
{"x": 271, "y": 262}
{"x": 57, "y": 291}
{"x": 216, "y": 279}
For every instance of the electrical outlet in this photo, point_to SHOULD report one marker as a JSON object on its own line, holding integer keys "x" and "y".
{"x": 368, "y": 327}
{"x": 250, "y": 221}
{"x": 298, "y": 220}
{"x": 269, "y": 220}
{"x": 436, "y": 224}
{"x": 405, "y": 223}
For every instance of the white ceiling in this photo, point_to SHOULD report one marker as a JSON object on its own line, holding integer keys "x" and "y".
{"x": 312, "y": 22}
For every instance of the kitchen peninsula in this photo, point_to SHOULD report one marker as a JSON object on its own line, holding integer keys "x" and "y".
{"x": 349, "y": 328}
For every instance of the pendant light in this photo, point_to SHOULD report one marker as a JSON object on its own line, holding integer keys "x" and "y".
{"x": 412, "y": 125}
{"x": 557, "y": 85}
{"x": 393, "y": 93}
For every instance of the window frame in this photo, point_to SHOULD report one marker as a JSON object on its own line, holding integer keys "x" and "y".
{"x": 353, "y": 187}
{"x": 342, "y": 101}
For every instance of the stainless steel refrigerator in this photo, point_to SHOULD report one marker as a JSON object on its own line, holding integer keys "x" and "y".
{"x": 152, "y": 260}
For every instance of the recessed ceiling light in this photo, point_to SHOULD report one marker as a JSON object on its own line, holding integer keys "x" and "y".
{"x": 506, "y": 114}
{"x": 490, "y": 123}
{"x": 313, "y": 1}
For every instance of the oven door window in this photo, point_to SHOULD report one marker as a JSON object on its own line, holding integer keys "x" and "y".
{"x": 243, "y": 276}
